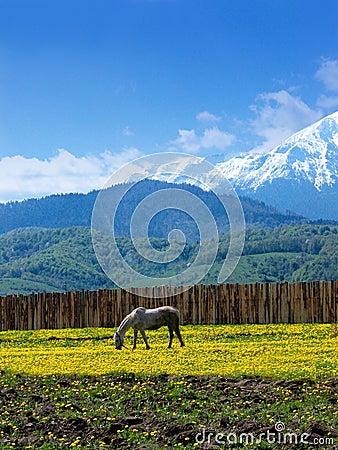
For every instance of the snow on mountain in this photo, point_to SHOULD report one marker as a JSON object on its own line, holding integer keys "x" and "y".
{"x": 301, "y": 174}
{"x": 309, "y": 155}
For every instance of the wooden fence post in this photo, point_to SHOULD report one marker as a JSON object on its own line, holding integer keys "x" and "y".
{"x": 301, "y": 302}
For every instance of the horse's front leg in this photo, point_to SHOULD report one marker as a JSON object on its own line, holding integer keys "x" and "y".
{"x": 145, "y": 339}
{"x": 135, "y": 338}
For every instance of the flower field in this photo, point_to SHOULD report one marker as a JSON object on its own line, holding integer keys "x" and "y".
{"x": 62, "y": 389}
{"x": 274, "y": 351}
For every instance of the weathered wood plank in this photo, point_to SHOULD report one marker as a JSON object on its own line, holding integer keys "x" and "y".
{"x": 313, "y": 302}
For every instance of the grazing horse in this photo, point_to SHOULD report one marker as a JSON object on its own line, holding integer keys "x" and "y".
{"x": 141, "y": 319}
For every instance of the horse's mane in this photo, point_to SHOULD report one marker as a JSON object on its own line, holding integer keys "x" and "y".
{"x": 124, "y": 321}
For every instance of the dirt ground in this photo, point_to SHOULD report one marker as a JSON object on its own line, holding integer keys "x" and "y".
{"x": 33, "y": 415}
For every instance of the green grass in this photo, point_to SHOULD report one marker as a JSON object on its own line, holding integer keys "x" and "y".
{"x": 157, "y": 412}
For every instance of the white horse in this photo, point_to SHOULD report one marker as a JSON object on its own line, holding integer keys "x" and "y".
{"x": 141, "y": 319}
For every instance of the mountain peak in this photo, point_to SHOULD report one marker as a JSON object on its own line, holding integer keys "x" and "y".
{"x": 300, "y": 174}
{"x": 308, "y": 155}
{"x": 322, "y": 129}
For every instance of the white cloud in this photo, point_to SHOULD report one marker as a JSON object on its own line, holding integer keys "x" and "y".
{"x": 213, "y": 137}
{"x": 327, "y": 102}
{"x": 278, "y": 116}
{"x": 22, "y": 177}
{"x": 206, "y": 116}
{"x": 188, "y": 140}
{"x": 328, "y": 74}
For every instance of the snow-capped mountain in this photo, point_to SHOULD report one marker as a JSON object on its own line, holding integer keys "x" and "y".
{"x": 310, "y": 155}
{"x": 301, "y": 174}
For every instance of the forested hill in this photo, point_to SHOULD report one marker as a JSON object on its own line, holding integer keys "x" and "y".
{"x": 63, "y": 259}
{"x": 67, "y": 210}
{"x": 54, "y": 211}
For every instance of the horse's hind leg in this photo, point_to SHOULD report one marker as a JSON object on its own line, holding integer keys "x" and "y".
{"x": 178, "y": 333}
{"x": 145, "y": 339}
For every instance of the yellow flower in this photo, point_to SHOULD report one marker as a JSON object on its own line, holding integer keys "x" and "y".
{"x": 294, "y": 351}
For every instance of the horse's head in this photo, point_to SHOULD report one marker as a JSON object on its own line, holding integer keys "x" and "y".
{"x": 118, "y": 341}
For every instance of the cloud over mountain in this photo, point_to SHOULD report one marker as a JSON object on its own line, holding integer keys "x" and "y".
{"x": 32, "y": 177}
{"x": 191, "y": 142}
{"x": 279, "y": 115}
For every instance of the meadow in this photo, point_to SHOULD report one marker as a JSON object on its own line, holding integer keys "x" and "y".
{"x": 71, "y": 389}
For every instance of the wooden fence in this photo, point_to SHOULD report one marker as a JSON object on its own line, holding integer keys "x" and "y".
{"x": 263, "y": 303}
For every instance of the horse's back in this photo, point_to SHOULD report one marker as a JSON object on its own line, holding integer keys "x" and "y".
{"x": 169, "y": 309}
{"x": 160, "y": 309}
{"x": 152, "y": 319}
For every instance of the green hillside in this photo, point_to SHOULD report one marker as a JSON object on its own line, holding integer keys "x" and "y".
{"x": 63, "y": 259}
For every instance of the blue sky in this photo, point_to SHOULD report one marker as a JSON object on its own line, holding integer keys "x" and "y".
{"x": 86, "y": 86}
